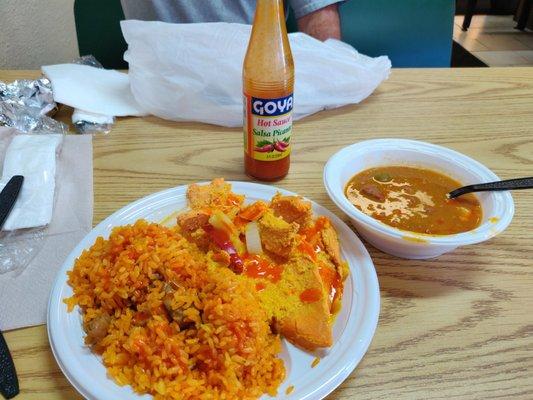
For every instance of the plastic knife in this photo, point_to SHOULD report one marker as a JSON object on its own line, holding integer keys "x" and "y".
{"x": 9, "y": 384}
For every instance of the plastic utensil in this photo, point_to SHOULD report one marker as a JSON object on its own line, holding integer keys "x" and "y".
{"x": 8, "y": 197}
{"x": 9, "y": 384}
{"x": 509, "y": 184}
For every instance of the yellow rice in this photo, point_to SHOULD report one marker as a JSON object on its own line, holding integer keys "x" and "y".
{"x": 230, "y": 351}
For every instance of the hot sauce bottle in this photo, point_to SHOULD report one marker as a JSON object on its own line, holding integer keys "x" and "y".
{"x": 268, "y": 85}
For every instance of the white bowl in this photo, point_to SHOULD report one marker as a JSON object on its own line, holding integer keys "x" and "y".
{"x": 498, "y": 207}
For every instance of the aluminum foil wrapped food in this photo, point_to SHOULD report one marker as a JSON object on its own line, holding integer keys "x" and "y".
{"x": 28, "y": 104}
{"x": 25, "y": 104}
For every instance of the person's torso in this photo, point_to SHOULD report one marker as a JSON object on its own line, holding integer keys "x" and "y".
{"x": 184, "y": 11}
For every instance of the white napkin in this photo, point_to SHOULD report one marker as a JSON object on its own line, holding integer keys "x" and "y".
{"x": 24, "y": 295}
{"x": 34, "y": 157}
{"x": 91, "y": 89}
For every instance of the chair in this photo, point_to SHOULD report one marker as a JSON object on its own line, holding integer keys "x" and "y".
{"x": 470, "y": 10}
{"x": 98, "y": 31}
{"x": 413, "y": 33}
{"x": 523, "y": 13}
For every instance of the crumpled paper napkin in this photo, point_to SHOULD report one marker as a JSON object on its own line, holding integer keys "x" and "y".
{"x": 34, "y": 157}
{"x": 95, "y": 90}
{"x": 24, "y": 295}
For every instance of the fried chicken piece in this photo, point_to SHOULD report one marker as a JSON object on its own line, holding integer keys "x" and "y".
{"x": 293, "y": 209}
{"x": 217, "y": 195}
{"x": 200, "y": 238}
{"x": 192, "y": 220}
{"x": 191, "y": 223}
{"x": 201, "y": 196}
{"x": 277, "y": 235}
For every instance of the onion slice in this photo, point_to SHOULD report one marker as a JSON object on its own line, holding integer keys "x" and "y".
{"x": 253, "y": 240}
{"x": 221, "y": 221}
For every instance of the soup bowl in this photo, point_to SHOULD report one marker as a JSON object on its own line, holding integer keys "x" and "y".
{"x": 497, "y": 207}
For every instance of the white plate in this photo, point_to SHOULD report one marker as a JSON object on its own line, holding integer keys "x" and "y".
{"x": 353, "y": 329}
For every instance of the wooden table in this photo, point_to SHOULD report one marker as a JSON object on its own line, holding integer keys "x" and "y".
{"x": 457, "y": 327}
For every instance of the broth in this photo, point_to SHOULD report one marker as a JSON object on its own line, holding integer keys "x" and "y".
{"x": 413, "y": 199}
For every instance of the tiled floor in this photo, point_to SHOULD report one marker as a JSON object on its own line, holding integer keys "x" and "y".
{"x": 493, "y": 39}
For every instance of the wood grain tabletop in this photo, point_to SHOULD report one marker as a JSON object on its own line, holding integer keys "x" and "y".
{"x": 456, "y": 327}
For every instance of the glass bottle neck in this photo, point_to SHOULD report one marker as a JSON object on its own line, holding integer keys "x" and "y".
{"x": 271, "y": 12}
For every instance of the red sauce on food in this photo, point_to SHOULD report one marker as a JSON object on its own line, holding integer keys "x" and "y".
{"x": 253, "y": 211}
{"x": 311, "y": 295}
{"x": 258, "y": 267}
{"x": 312, "y": 232}
{"x": 306, "y": 248}
{"x": 331, "y": 280}
{"x": 234, "y": 200}
{"x": 312, "y": 236}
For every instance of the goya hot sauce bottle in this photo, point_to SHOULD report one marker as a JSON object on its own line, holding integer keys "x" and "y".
{"x": 268, "y": 85}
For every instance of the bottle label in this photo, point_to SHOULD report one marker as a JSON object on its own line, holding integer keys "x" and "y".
{"x": 267, "y": 127}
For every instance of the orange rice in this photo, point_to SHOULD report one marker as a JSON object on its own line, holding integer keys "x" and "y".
{"x": 229, "y": 352}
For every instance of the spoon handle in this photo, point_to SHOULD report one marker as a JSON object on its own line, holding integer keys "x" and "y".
{"x": 509, "y": 184}
{"x": 9, "y": 384}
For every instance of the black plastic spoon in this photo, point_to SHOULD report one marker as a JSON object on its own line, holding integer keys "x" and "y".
{"x": 509, "y": 184}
